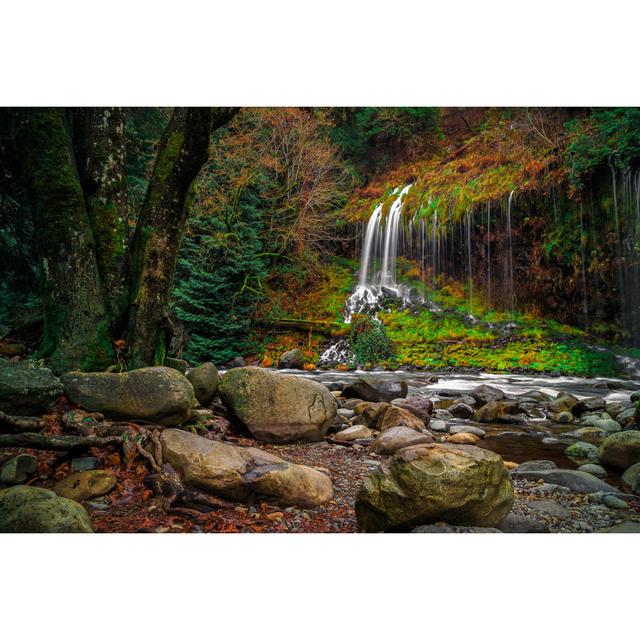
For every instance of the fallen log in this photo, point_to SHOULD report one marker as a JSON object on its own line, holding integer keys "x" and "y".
{"x": 20, "y": 424}
{"x": 55, "y": 443}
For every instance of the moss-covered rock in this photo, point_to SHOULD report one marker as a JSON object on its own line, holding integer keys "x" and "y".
{"x": 26, "y": 389}
{"x": 204, "y": 379}
{"x": 25, "y": 509}
{"x": 155, "y": 394}
{"x": 620, "y": 450}
{"x": 460, "y": 485}
{"x": 278, "y": 407}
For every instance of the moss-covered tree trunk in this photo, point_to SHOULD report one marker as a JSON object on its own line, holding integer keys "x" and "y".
{"x": 76, "y": 331}
{"x": 182, "y": 152}
{"x": 99, "y": 141}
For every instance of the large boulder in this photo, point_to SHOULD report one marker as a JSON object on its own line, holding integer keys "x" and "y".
{"x": 399, "y": 417}
{"x": 424, "y": 484}
{"x": 620, "y": 450}
{"x": 25, "y": 509}
{"x": 485, "y": 393}
{"x": 278, "y": 407}
{"x": 27, "y": 390}
{"x": 419, "y": 406}
{"x": 631, "y": 477}
{"x": 204, "y": 380}
{"x": 292, "y": 359}
{"x": 154, "y": 394}
{"x": 239, "y": 473}
{"x": 376, "y": 390}
{"x": 397, "y": 438}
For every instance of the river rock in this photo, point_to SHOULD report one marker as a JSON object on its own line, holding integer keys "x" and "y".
{"x": 515, "y": 523}
{"x": 535, "y": 396}
{"x": 154, "y": 394}
{"x": 468, "y": 428}
{"x": 439, "y": 426}
{"x": 563, "y": 402}
{"x": 204, "y": 380}
{"x": 278, "y": 407}
{"x": 425, "y": 484}
{"x": 635, "y": 396}
{"x": 613, "y": 502}
{"x": 346, "y": 413}
{"x": 488, "y": 412}
{"x": 356, "y": 432}
{"x": 627, "y": 417}
{"x": 18, "y": 469}
{"x": 582, "y": 451}
{"x": 376, "y": 390}
{"x": 88, "y": 463}
{"x": 397, "y": 438}
{"x": 620, "y": 450}
{"x": 564, "y": 417}
{"x": 631, "y": 477}
{"x": 536, "y": 465}
{"x": 460, "y": 410}
{"x": 594, "y": 469}
{"x": 85, "y": 485}
{"x": 292, "y": 359}
{"x": 625, "y": 527}
{"x": 463, "y": 438}
{"x": 588, "y": 404}
{"x": 608, "y": 425}
{"x": 25, "y": 509}
{"x": 549, "y": 508}
{"x": 485, "y": 393}
{"x": 238, "y": 473}
{"x": 576, "y": 481}
{"x": 372, "y": 413}
{"x": 235, "y": 363}
{"x": 27, "y": 390}
{"x": 420, "y": 406}
{"x": 443, "y": 527}
{"x": 399, "y": 417}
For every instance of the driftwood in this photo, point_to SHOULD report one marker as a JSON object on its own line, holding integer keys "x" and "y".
{"x": 56, "y": 443}
{"x": 19, "y": 424}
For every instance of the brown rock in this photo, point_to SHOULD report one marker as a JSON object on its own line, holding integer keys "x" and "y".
{"x": 399, "y": 417}
{"x": 84, "y": 485}
{"x": 463, "y": 438}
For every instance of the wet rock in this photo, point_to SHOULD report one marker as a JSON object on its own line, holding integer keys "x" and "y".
{"x": 563, "y": 402}
{"x": 372, "y": 413}
{"x": 154, "y": 394}
{"x": 635, "y": 396}
{"x": 588, "y": 404}
{"x": 594, "y": 469}
{"x": 204, "y": 380}
{"x": 357, "y": 432}
{"x": 616, "y": 408}
{"x": 592, "y": 433}
{"x": 27, "y": 390}
{"x": 85, "y": 464}
{"x": 582, "y": 451}
{"x": 84, "y": 485}
{"x": 467, "y": 428}
{"x": 460, "y": 410}
{"x": 549, "y": 508}
{"x": 18, "y": 469}
{"x": 610, "y": 426}
{"x": 376, "y": 390}
{"x": 515, "y": 523}
{"x": 346, "y": 413}
{"x": 627, "y": 417}
{"x": 564, "y": 417}
{"x": 278, "y": 407}
{"x": 488, "y": 412}
{"x": 620, "y": 450}
{"x": 485, "y": 393}
{"x": 576, "y": 481}
{"x": 424, "y": 484}
{"x": 238, "y": 473}
{"x": 25, "y": 509}
{"x": 625, "y": 527}
{"x": 536, "y": 396}
{"x": 463, "y": 438}
{"x": 292, "y": 359}
{"x": 397, "y": 438}
{"x": 439, "y": 426}
{"x": 399, "y": 417}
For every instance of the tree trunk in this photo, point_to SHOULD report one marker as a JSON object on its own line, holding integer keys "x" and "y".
{"x": 99, "y": 140}
{"x": 182, "y": 152}
{"x": 76, "y": 330}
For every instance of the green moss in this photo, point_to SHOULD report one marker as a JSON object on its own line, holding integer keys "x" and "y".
{"x": 165, "y": 161}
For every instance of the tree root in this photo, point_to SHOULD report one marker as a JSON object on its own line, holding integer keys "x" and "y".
{"x": 20, "y": 424}
{"x": 56, "y": 443}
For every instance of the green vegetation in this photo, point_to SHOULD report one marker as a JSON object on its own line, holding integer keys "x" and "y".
{"x": 369, "y": 340}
